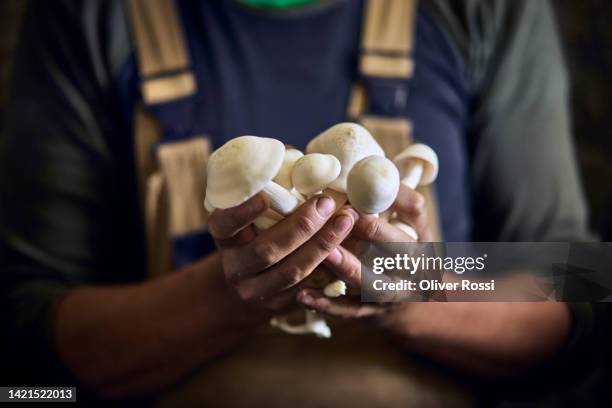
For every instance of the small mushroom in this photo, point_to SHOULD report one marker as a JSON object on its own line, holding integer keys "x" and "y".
{"x": 314, "y": 173}
{"x": 243, "y": 167}
{"x": 418, "y": 165}
{"x": 284, "y": 174}
{"x": 372, "y": 184}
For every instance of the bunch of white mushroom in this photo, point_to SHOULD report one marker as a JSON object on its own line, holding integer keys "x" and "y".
{"x": 344, "y": 161}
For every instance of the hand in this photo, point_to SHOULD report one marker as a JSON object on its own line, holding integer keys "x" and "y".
{"x": 343, "y": 262}
{"x": 265, "y": 268}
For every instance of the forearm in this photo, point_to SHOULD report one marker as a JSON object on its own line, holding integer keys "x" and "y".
{"x": 483, "y": 338}
{"x": 127, "y": 340}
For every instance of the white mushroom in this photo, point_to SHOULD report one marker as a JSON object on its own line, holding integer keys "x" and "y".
{"x": 267, "y": 220}
{"x": 243, "y": 167}
{"x": 349, "y": 142}
{"x": 418, "y": 166}
{"x": 314, "y": 173}
{"x": 314, "y": 324}
{"x": 372, "y": 184}
{"x": 284, "y": 174}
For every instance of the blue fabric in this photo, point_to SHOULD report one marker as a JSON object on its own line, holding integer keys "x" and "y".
{"x": 188, "y": 248}
{"x": 288, "y": 76}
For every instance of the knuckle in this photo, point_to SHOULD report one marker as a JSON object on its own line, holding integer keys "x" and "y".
{"x": 292, "y": 276}
{"x": 213, "y": 227}
{"x": 326, "y": 241}
{"x": 245, "y": 293}
{"x": 264, "y": 253}
{"x": 305, "y": 226}
{"x": 372, "y": 229}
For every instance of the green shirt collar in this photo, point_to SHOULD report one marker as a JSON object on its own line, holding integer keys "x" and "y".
{"x": 278, "y": 4}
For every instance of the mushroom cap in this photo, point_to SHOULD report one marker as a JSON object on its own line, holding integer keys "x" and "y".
{"x": 373, "y": 184}
{"x": 349, "y": 142}
{"x": 284, "y": 175}
{"x": 421, "y": 152}
{"x": 314, "y": 172}
{"x": 241, "y": 168}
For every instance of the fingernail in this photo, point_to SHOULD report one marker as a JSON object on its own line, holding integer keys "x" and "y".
{"x": 307, "y": 299}
{"x": 343, "y": 223}
{"x": 335, "y": 256}
{"x": 325, "y": 206}
{"x": 352, "y": 211}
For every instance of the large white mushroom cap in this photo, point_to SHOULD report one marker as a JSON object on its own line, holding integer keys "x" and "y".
{"x": 373, "y": 184}
{"x": 349, "y": 142}
{"x": 426, "y": 155}
{"x": 241, "y": 168}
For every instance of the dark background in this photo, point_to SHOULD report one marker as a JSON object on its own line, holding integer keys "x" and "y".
{"x": 586, "y": 33}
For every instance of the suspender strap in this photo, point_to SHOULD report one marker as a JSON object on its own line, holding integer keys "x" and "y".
{"x": 387, "y": 43}
{"x": 171, "y": 176}
{"x": 388, "y": 38}
{"x": 163, "y": 60}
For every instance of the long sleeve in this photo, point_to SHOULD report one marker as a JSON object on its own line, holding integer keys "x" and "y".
{"x": 68, "y": 209}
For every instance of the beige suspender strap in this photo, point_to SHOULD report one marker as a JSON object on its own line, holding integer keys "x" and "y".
{"x": 388, "y": 38}
{"x": 171, "y": 178}
{"x": 387, "y": 45}
{"x": 183, "y": 165}
{"x": 152, "y": 193}
{"x": 163, "y": 60}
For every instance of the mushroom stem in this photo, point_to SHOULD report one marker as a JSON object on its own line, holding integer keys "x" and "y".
{"x": 407, "y": 229}
{"x": 335, "y": 289}
{"x": 267, "y": 220}
{"x": 314, "y": 324}
{"x": 281, "y": 200}
{"x": 414, "y": 173}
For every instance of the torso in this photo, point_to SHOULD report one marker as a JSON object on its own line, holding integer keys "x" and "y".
{"x": 288, "y": 76}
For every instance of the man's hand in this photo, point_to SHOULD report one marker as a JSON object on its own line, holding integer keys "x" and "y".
{"x": 265, "y": 268}
{"x": 343, "y": 261}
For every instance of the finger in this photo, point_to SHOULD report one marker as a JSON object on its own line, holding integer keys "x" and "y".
{"x": 411, "y": 210}
{"x": 409, "y": 202}
{"x": 345, "y": 266}
{"x": 340, "y": 307}
{"x": 371, "y": 228}
{"x": 281, "y": 301}
{"x": 274, "y": 244}
{"x": 297, "y": 266}
{"x": 225, "y": 224}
